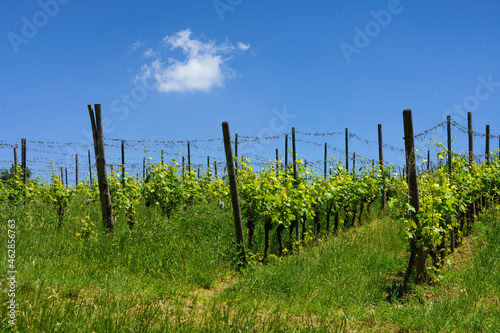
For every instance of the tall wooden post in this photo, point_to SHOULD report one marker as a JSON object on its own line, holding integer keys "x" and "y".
{"x": 428, "y": 160}
{"x": 325, "y": 160}
{"x": 162, "y": 157}
{"x": 97, "y": 133}
{"x": 23, "y": 160}
{"x": 234, "y": 193}
{"x": 471, "y": 138}
{"x": 286, "y": 152}
{"x": 15, "y": 160}
{"x": 66, "y": 172}
{"x": 347, "y": 149}
{"x": 90, "y": 170}
{"x": 76, "y": 171}
{"x": 123, "y": 163}
{"x": 448, "y": 121}
{"x": 294, "y": 157}
{"x": 189, "y": 157}
{"x": 208, "y": 165}
{"x": 236, "y": 153}
{"x": 62, "y": 176}
{"x": 143, "y": 168}
{"x": 348, "y": 217}
{"x": 183, "y": 166}
{"x": 277, "y": 162}
{"x": 354, "y": 163}
{"x": 215, "y": 169}
{"x": 487, "y": 150}
{"x": 450, "y": 168}
{"x": 294, "y": 161}
{"x": 417, "y": 255}
{"x": 381, "y": 162}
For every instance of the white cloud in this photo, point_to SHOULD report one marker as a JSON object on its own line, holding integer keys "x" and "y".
{"x": 203, "y": 67}
{"x": 135, "y": 45}
{"x": 243, "y": 46}
{"x": 149, "y": 53}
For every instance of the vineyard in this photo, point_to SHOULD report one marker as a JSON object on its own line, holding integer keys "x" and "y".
{"x": 285, "y": 208}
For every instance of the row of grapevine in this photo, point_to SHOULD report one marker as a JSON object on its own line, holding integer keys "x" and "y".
{"x": 449, "y": 204}
{"x": 271, "y": 197}
{"x": 274, "y": 199}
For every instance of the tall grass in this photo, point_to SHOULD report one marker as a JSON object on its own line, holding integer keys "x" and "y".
{"x": 163, "y": 275}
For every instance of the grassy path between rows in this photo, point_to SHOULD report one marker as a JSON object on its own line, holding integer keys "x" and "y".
{"x": 162, "y": 277}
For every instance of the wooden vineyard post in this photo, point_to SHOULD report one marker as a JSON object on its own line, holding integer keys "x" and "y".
{"x": 183, "y": 166}
{"x": 62, "y": 176}
{"x": 143, "y": 168}
{"x": 23, "y": 160}
{"x": 234, "y": 193}
{"x": 66, "y": 173}
{"x": 76, "y": 170}
{"x": 450, "y": 169}
{"x": 428, "y": 160}
{"x": 277, "y": 162}
{"x": 97, "y": 133}
{"x": 294, "y": 155}
{"x": 325, "y": 160}
{"x": 470, "y": 133}
{"x": 162, "y": 157}
{"x": 208, "y": 165}
{"x": 354, "y": 163}
{"x": 123, "y": 163}
{"x": 381, "y": 162}
{"x": 294, "y": 161}
{"x": 347, "y": 150}
{"x": 347, "y": 217}
{"x": 471, "y": 138}
{"x": 15, "y": 160}
{"x": 487, "y": 150}
{"x": 236, "y": 153}
{"x": 189, "y": 157}
{"x": 215, "y": 169}
{"x": 90, "y": 170}
{"x": 286, "y": 152}
{"x": 417, "y": 254}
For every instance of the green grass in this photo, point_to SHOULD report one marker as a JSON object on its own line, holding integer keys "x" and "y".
{"x": 163, "y": 276}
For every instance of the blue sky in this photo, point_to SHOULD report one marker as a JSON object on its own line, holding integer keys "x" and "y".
{"x": 174, "y": 70}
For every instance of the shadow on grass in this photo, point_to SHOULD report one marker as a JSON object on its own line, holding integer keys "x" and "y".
{"x": 395, "y": 289}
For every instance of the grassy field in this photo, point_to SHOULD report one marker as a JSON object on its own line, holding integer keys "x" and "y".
{"x": 164, "y": 276}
